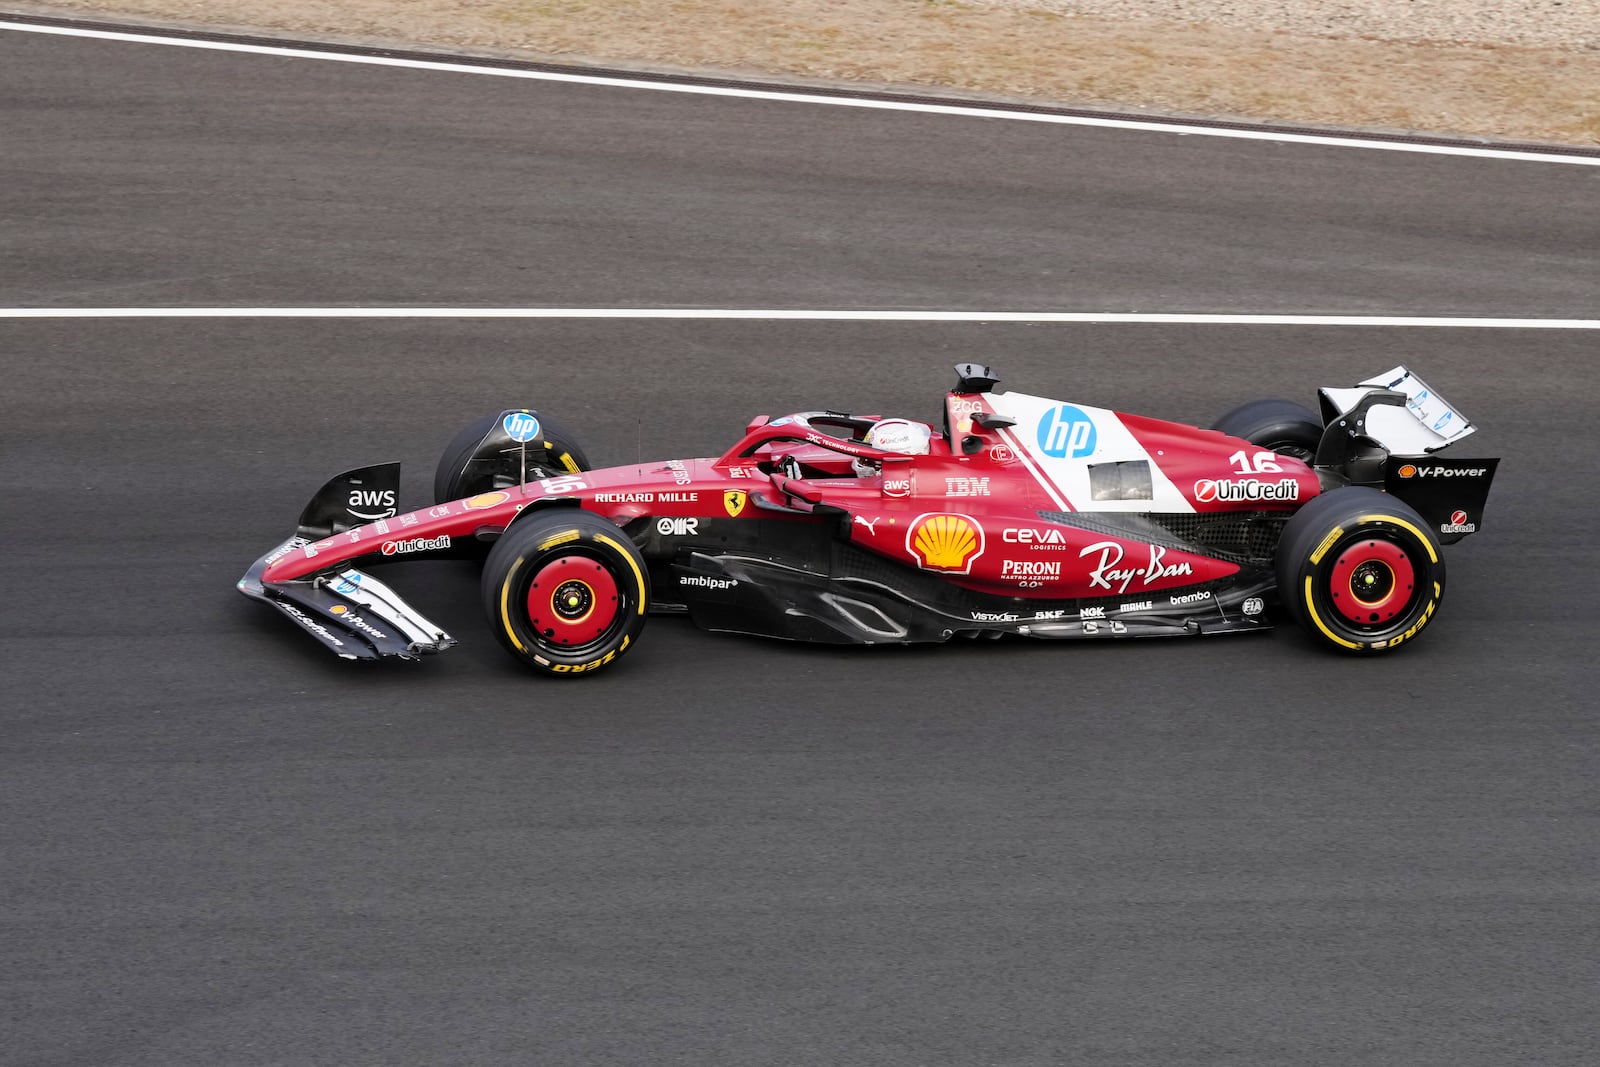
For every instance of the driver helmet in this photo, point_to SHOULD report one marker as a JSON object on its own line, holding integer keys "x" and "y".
{"x": 893, "y": 435}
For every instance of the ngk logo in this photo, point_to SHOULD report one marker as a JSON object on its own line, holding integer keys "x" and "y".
{"x": 1209, "y": 490}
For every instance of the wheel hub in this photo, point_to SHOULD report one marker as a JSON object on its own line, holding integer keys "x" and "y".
{"x": 573, "y": 600}
{"x": 1372, "y": 581}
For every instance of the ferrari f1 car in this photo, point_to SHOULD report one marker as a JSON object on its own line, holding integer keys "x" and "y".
{"x": 1013, "y": 515}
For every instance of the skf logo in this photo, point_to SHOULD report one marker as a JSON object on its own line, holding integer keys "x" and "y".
{"x": 733, "y": 502}
{"x": 945, "y": 542}
{"x": 1408, "y": 471}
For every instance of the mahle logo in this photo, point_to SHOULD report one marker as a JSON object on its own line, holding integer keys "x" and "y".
{"x": 1066, "y": 432}
{"x": 945, "y": 542}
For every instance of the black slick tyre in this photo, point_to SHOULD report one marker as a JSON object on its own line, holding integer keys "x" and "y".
{"x": 1360, "y": 570}
{"x": 565, "y": 591}
{"x": 465, "y": 471}
{"x": 1280, "y": 426}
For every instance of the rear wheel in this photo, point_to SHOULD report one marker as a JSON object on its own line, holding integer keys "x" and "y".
{"x": 1281, "y": 426}
{"x": 566, "y": 592}
{"x": 465, "y": 470}
{"x": 1360, "y": 570}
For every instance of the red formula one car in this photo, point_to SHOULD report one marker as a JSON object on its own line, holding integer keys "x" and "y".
{"x": 1015, "y": 514}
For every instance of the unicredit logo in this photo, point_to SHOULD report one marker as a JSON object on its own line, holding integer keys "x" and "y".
{"x": 415, "y": 544}
{"x": 1208, "y": 490}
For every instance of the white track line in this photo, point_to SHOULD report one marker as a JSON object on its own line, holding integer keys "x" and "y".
{"x": 799, "y": 97}
{"x": 781, "y": 314}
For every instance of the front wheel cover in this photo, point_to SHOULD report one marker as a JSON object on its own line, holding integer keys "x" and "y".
{"x": 565, "y": 591}
{"x": 463, "y": 472}
{"x": 1371, "y": 580}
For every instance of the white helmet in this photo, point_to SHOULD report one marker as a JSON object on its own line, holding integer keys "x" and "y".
{"x": 893, "y": 435}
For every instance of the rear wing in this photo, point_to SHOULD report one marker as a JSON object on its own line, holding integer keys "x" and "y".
{"x": 1424, "y": 424}
{"x": 1404, "y": 415}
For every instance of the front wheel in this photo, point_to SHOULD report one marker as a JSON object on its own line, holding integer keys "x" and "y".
{"x": 1360, "y": 570}
{"x": 566, "y": 592}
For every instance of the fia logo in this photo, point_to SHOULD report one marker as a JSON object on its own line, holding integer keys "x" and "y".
{"x": 1066, "y": 432}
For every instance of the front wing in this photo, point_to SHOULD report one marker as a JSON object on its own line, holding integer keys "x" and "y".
{"x": 352, "y": 613}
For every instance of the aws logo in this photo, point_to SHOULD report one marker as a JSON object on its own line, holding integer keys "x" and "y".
{"x": 945, "y": 542}
{"x": 373, "y": 504}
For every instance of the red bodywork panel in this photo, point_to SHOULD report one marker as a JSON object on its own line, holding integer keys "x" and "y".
{"x": 969, "y": 511}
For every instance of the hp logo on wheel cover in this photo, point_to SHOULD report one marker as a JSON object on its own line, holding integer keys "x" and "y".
{"x": 520, "y": 426}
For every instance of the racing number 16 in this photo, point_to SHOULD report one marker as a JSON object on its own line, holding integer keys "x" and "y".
{"x": 1256, "y": 463}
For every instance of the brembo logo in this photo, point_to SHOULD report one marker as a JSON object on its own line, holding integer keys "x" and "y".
{"x": 415, "y": 544}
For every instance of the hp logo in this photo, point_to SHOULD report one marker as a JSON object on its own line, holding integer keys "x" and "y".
{"x": 520, "y": 426}
{"x": 1066, "y": 432}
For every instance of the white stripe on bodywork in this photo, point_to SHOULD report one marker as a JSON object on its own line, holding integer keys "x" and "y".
{"x": 1069, "y": 474}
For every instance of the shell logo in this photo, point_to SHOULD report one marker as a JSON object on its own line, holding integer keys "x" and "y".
{"x": 942, "y": 542}
{"x": 488, "y": 500}
{"x": 1408, "y": 471}
{"x": 338, "y": 609}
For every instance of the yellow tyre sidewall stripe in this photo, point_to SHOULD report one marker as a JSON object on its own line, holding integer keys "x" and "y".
{"x": 638, "y": 575}
{"x": 1311, "y": 609}
{"x": 505, "y": 598}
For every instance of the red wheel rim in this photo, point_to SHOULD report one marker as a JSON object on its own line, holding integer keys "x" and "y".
{"x": 572, "y": 600}
{"x": 1372, "y": 581}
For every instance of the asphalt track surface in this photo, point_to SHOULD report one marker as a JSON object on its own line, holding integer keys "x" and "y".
{"x": 222, "y": 846}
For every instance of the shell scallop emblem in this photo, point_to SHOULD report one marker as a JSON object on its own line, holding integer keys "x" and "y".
{"x": 488, "y": 500}
{"x": 945, "y": 542}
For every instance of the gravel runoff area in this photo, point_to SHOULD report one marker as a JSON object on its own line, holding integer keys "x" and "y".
{"x": 1524, "y": 70}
